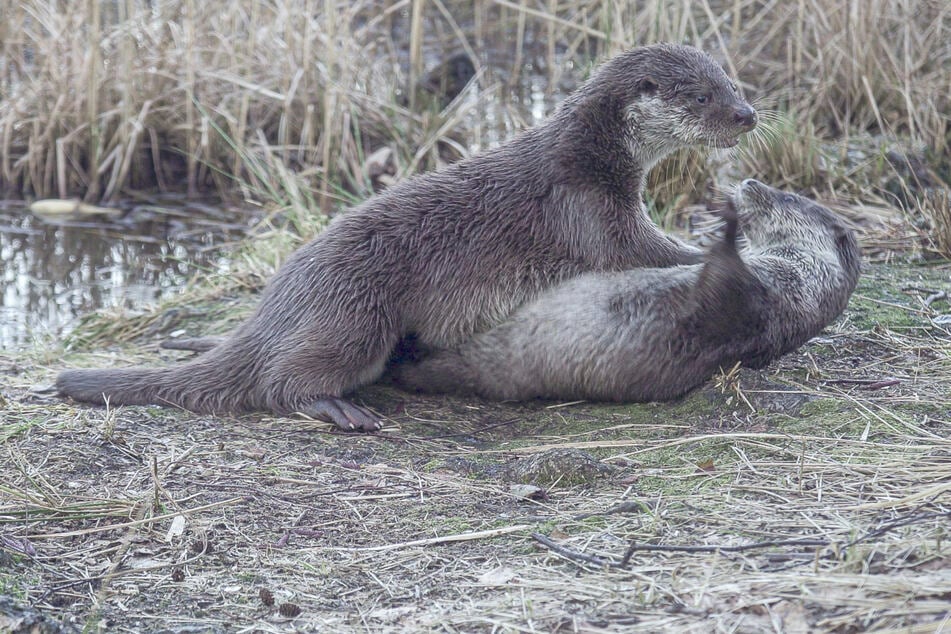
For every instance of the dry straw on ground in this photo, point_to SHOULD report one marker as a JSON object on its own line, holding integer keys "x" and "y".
{"x": 809, "y": 497}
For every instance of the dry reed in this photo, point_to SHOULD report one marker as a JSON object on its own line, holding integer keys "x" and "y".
{"x": 283, "y": 101}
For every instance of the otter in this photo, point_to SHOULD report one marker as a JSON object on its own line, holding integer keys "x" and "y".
{"x": 655, "y": 334}
{"x": 450, "y": 253}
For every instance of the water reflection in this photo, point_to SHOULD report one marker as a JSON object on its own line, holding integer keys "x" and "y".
{"x": 503, "y": 108}
{"x": 49, "y": 275}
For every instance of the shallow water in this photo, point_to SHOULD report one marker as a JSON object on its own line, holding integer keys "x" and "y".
{"x": 52, "y": 273}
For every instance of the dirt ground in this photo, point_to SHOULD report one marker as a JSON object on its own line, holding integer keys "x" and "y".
{"x": 809, "y": 497}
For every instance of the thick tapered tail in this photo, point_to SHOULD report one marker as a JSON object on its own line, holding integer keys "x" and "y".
{"x": 132, "y": 386}
{"x": 214, "y": 383}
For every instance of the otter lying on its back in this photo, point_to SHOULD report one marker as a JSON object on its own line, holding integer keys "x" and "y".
{"x": 655, "y": 334}
{"x": 446, "y": 254}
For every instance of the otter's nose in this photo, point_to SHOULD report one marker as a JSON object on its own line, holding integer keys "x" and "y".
{"x": 744, "y": 116}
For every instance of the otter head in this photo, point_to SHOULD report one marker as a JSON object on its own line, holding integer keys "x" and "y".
{"x": 772, "y": 219}
{"x": 674, "y": 96}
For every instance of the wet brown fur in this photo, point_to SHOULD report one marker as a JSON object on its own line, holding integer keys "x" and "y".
{"x": 450, "y": 253}
{"x": 655, "y": 334}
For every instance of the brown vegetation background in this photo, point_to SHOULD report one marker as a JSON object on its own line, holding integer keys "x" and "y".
{"x": 283, "y": 101}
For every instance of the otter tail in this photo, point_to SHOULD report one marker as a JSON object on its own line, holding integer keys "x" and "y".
{"x": 132, "y": 386}
{"x": 212, "y": 383}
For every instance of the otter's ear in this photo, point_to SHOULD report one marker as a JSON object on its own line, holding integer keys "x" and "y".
{"x": 647, "y": 86}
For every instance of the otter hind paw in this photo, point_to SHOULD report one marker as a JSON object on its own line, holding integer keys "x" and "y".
{"x": 344, "y": 414}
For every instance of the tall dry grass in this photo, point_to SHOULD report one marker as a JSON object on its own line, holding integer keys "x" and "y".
{"x": 283, "y": 101}
{"x": 185, "y": 95}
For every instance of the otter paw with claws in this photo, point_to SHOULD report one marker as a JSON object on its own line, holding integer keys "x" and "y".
{"x": 344, "y": 414}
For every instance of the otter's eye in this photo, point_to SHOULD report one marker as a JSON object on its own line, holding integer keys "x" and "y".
{"x": 734, "y": 87}
{"x": 702, "y": 99}
{"x": 789, "y": 199}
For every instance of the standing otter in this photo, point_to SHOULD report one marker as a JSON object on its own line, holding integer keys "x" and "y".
{"x": 450, "y": 253}
{"x": 655, "y": 334}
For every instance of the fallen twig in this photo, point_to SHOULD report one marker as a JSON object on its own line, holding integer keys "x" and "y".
{"x": 573, "y": 554}
{"x": 804, "y": 542}
{"x": 724, "y": 549}
{"x": 459, "y": 537}
{"x": 631, "y": 506}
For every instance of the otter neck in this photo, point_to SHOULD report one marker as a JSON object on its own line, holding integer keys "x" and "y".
{"x": 595, "y": 151}
{"x": 647, "y": 155}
